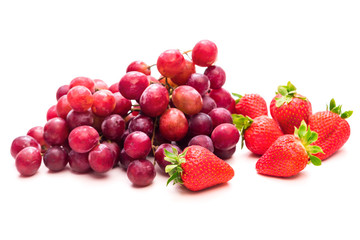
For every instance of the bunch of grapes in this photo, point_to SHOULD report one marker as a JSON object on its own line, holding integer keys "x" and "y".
{"x": 94, "y": 127}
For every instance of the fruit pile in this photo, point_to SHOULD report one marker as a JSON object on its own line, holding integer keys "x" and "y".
{"x": 94, "y": 127}
{"x": 294, "y": 135}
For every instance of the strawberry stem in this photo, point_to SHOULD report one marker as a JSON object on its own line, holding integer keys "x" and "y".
{"x": 242, "y": 123}
{"x": 174, "y": 169}
{"x": 337, "y": 109}
{"x": 287, "y": 92}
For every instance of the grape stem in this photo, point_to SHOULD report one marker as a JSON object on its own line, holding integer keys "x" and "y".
{"x": 151, "y": 66}
{"x": 153, "y": 147}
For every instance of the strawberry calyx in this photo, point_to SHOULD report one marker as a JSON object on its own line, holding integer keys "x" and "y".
{"x": 307, "y": 137}
{"x": 242, "y": 123}
{"x": 174, "y": 169}
{"x": 288, "y": 92}
{"x": 337, "y": 109}
{"x": 238, "y": 97}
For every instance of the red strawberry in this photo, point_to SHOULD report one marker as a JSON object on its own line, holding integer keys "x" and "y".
{"x": 258, "y": 133}
{"x": 251, "y": 105}
{"x": 290, "y": 154}
{"x": 289, "y": 108}
{"x": 332, "y": 128}
{"x": 197, "y": 168}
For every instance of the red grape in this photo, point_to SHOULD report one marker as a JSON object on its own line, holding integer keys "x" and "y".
{"x": 100, "y": 85}
{"x": 170, "y": 63}
{"x": 200, "y": 124}
{"x": 79, "y": 162}
{"x": 208, "y": 104}
{"x": 122, "y": 105}
{"x": 114, "y": 87}
{"x": 187, "y": 99}
{"x": 56, "y": 158}
{"x": 115, "y": 149}
{"x": 219, "y": 116}
{"x": 82, "y": 139}
{"x": 224, "y": 154}
{"x": 137, "y": 145}
{"x": 141, "y": 172}
{"x": 132, "y": 85}
{"x": 113, "y": 126}
{"x": 225, "y": 136}
{"x": 63, "y": 90}
{"x": 51, "y": 113}
{"x": 200, "y": 82}
{"x": 160, "y": 155}
{"x": 202, "y": 140}
{"x": 182, "y": 77}
{"x": 38, "y": 134}
{"x": 80, "y": 98}
{"x": 142, "y": 123}
{"x": 154, "y": 100}
{"x": 222, "y": 97}
{"x": 56, "y": 131}
{"x": 76, "y": 119}
{"x": 101, "y": 158}
{"x": 204, "y": 53}
{"x": 63, "y": 107}
{"x": 22, "y": 142}
{"x": 104, "y": 103}
{"x": 139, "y": 66}
{"x": 83, "y": 81}
{"x": 28, "y": 161}
{"x": 173, "y": 124}
{"x": 216, "y": 75}
{"x": 125, "y": 159}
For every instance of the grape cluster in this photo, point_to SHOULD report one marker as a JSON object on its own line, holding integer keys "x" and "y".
{"x": 96, "y": 127}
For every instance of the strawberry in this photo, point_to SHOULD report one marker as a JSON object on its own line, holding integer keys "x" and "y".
{"x": 197, "y": 168}
{"x": 289, "y": 108}
{"x": 332, "y": 128}
{"x": 251, "y": 105}
{"x": 258, "y": 133}
{"x": 290, "y": 154}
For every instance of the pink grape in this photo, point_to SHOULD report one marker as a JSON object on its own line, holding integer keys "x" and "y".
{"x": 137, "y": 145}
{"x": 170, "y": 63}
{"x": 139, "y": 66}
{"x": 63, "y": 90}
{"x": 28, "y": 161}
{"x": 83, "y": 81}
{"x": 22, "y": 142}
{"x": 225, "y": 136}
{"x": 56, "y": 158}
{"x": 56, "y": 131}
{"x": 141, "y": 172}
{"x": 63, "y": 107}
{"x": 79, "y": 162}
{"x": 154, "y": 100}
{"x": 101, "y": 158}
{"x": 76, "y": 119}
{"x": 222, "y": 97}
{"x": 187, "y": 99}
{"x": 122, "y": 105}
{"x": 204, "y": 53}
{"x": 219, "y": 116}
{"x": 80, "y": 98}
{"x": 82, "y": 139}
{"x": 216, "y": 75}
{"x": 173, "y": 124}
{"x": 104, "y": 103}
{"x": 113, "y": 126}
{"x": 133, "y": 84}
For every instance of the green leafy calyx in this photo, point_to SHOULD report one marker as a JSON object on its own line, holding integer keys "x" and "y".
{"x": 242, "y": 123}
{"x": 337, "y": 109}
{"x": 174, "y": 169}
{"x": 238, "y": 97}
{"x": 288, "y": 92}
{"x": 308, "y": 137}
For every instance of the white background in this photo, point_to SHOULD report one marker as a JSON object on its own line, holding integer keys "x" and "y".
{"x": 262, "y": 44}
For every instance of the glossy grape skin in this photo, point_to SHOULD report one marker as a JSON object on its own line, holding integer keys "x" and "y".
{"x": 182, "y": 77}
{"x": 225, "y": 136}
{"x": 63, "y": 107}
{"x": 154, "y": 100}
{"x": 142, "y": 123}
{"x": 28, "y": 161}
{"x": 139, "y": 66}
{"x": 56, "y": 131}
{"x": 204, "y": 53}
{"x": 216, "y": 75}
{"x": 51, "y": 113}
{"x": 122, "y": 104}
{"x": 173, "y": 124}
{"x": 114, "y": 87}
{"x": 38, "y": 134}
{"x": 202, "y": 140}
{"x": 222, "y": 97}
{"x": 187, "y": 99}
{"x": 170, "y": 63}
{"x": 97, "y": 122}
{"x": 55, "y": 158}
{"x": 160, "y": 155}
{"x": 82, "y": 139}
{"x": 141, "y": 172}
{"x": 100, "y": 85}
{"x": 115, "y": 149}
{"x": 225, "y": 154}
{"x": 80, "y": 98}
{"x": 101, "y": 158}
{"x": 200, "y": 124}
{"x": 104, "y": 103}
{"x": 208, "y": 104}
{"x": 137, "y": 145}
{"x": 63, "y": 90}
{"x": 22, "y": 142}
{"x": 76, "y": 119}
{"x": 200, "y": 82}
{"x": 124, "y": 159}
{"x": 83, "y": 81}
{"x": 113, "y": 126}
{"x": 79, "y": 162}
{"x": 133, "y": 84}
{"x": 219, "y": 116}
